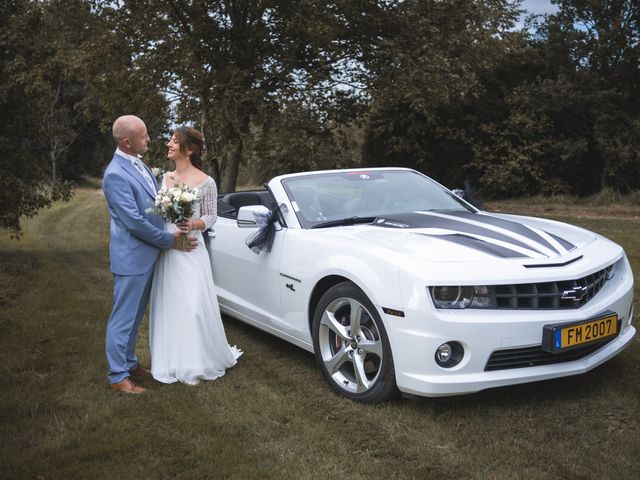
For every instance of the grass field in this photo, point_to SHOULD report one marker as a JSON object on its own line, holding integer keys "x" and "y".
{"x": 272, "y": 416}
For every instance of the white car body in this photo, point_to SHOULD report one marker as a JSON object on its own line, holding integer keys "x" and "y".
{"x": 277, "y": 290}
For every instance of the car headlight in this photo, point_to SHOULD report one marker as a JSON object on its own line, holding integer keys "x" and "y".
{"x": 462, "y": 297}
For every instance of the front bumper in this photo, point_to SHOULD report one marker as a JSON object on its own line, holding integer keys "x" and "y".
{"x": 415, "y": 338}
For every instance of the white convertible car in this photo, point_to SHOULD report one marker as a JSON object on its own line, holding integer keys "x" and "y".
{"x": 395, "y": 283}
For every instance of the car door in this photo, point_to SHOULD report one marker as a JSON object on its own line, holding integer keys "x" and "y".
{"x": 248, "y": 283}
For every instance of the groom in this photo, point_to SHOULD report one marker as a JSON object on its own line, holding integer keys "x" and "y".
{"x": 136, "y": 240}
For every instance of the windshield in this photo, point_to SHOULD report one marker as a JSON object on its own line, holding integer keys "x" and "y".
{"x": 319, "y": 198}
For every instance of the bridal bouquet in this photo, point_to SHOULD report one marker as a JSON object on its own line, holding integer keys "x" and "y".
{"x": 176, "y": 204}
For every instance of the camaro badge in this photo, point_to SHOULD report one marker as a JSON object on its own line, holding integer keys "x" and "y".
{"x": 576, "y": 293}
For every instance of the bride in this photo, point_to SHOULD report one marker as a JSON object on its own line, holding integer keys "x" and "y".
{"x": 186, "y": 335}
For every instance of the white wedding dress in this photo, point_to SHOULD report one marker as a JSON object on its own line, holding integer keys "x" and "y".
{"x": 186, "y": 334}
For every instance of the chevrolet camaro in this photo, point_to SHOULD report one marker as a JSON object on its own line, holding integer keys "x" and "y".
{"x": 395, "y": 283}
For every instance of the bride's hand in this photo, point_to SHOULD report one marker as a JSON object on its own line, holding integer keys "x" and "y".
{"x": 185, "y": 226}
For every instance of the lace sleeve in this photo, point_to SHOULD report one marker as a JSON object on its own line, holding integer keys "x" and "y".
{"x": 209, "y": 203}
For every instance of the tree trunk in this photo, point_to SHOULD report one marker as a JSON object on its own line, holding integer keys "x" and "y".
{"x": 210, "y": 166}
{"x": 53, "y": 170}
{"x": 231, "y": 168}
{"x": 213, "y": 169}
{"x": 605, "y": 172}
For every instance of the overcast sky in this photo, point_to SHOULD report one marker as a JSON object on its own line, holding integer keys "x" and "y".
{"x": 539, "y": 6}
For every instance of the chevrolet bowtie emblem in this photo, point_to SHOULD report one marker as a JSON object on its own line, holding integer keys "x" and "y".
{"x": 576, "y": 293}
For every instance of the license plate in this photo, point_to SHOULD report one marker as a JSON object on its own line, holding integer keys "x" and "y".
{"x": 559, "y": 337}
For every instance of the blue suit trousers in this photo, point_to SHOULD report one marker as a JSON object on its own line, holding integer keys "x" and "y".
{"x": 130, "y": 299}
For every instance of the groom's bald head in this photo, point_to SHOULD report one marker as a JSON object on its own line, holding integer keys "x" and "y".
{"x": 130, "y": 133}
{"x": 124, "y": 126}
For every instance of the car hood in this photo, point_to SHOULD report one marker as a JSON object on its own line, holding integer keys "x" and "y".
{"x": 467, "y": 236}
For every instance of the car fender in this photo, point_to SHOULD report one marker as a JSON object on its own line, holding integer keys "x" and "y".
{"x": 376, "y": 275}
{"x": 377, "y": 280}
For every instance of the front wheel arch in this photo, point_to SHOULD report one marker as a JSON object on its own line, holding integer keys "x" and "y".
{"x": 319, "y": 290}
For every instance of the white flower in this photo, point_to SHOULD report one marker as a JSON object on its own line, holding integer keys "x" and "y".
{"x": 187, "y": 197}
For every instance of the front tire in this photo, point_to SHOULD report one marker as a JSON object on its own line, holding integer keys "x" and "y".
{"x": 351, "y": 345}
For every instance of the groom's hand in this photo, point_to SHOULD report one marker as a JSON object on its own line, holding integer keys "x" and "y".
{"x": 194, "y": 242}
{"x": 176, "y": 243}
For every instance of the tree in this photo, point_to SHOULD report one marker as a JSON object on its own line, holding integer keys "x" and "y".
{"x": 64, "y": 77}
{"x": 569, "y": 123}
{"x": 427, "y": 65}
{"x": 232, "y": 65}
{"x": 24, "y": 153}
{"x": 605, "y": 42}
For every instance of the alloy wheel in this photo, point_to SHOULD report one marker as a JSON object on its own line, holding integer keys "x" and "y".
{"x": 350, "y": 345}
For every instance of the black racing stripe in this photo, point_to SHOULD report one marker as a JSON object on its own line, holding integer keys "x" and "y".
{"x": 510, "y": 225}
{"x": 480, "y": 245}
{"x": 419, "y": 220}
{"x": 568, "y": 245}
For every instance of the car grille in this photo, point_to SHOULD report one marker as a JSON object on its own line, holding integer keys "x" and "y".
{"x": 548, "y": 295}
{"x": 535, "y": 356}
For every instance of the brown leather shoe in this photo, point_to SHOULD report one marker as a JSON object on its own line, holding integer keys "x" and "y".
{"x": 127, "y": 386}
{"x": 140, "y": 371}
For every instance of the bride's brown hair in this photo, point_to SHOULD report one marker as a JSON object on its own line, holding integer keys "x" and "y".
{"x": 191, "y": 139}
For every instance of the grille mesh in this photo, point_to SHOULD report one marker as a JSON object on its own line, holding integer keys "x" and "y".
{"x": 547, "y": 295}
{"x": 535, "y": 356}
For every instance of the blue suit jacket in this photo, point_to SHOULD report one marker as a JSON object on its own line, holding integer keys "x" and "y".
{"x": 136, "y": 237}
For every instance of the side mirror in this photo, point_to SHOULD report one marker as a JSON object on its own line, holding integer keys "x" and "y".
{"x": 247, "y": 215}
{"x": 469, "y": 195}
